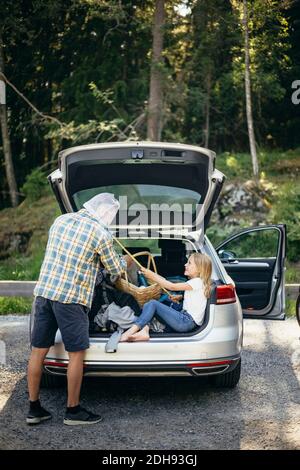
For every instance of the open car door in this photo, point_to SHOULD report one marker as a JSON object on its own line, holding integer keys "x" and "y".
{"x": 254, "y": 258}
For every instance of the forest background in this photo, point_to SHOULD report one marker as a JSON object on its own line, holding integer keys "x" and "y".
{"x": 222, "y": 74}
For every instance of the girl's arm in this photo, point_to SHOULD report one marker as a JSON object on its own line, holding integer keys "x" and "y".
{"x": 175, "y": 297}
{"x": 164, "y": 283}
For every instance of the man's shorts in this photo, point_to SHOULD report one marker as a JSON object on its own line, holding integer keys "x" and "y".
{"x": 71, "y": 319}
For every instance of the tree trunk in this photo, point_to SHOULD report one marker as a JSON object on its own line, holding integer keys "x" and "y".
{"x": 207, "y": 109}
{"x": 248, "y": 92}
{"x": 155, "y": 106}
{"x": 9, "y": 167}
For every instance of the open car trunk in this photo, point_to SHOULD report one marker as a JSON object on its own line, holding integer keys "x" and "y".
{"x": 165, "y": 190}
{"x": 170, "y": 255}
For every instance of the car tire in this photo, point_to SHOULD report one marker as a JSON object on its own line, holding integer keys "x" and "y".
{"x": 229, "y": 379}
{"x": 52, "y": 381}
{"x": 298, "y": 309}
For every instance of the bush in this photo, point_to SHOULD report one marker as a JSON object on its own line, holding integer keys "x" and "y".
{"x": 35, "y": 186}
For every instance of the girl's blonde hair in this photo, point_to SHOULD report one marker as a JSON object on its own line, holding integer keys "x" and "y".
{"x": 204, "y": 270}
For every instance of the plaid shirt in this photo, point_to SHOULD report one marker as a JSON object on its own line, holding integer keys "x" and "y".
{"x": 76, "y": 245}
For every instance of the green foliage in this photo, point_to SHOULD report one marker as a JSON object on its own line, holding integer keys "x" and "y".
{"x": 255, "y": 244}
{"x": 279, "y": 182}
{"x": 287, "y": 210}
{"x": 272, "y": 163}
{"x": 35, "y": 186}
{"x": 93, "y": 130}
{"x": 217, "y": 234}
{"x": 292, "y": 275}
{"x": 84, "y": 133}
{"x": 290, "y": 308}
{"x": 234, "y": 164}
{"x": 88, "y": 64}
{"x": 30, "y": 217}
{"x": 23, "y": 268}
{"x": 15, "y": 305}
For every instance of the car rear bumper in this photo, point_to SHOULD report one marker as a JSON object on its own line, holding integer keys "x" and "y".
{"x": 193, "y": 368}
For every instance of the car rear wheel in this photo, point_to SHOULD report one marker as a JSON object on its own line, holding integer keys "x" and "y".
{"x": 227, "y": 380}
{"x": 52, "y": 381}
{"x": 298, "y": 309}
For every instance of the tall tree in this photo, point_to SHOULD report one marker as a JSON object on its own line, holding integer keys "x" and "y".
{"x": 211, "y": 92}
{"x": 248, "y": 97}
{"x": 155, "y": 106}
{"x": 9, "y": 166}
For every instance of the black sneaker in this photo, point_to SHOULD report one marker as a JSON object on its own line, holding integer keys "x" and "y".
{"x": 37, "y": 416}
{"x": 81, "y": 417}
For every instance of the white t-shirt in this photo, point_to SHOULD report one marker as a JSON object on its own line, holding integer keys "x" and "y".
{"x": 194, "y": 301}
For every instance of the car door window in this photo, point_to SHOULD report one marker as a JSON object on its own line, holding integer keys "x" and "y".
{"x": 254, "y": 259}
{"x": 256, "y": 244}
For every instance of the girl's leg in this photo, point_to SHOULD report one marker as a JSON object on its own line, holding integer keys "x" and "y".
{"x": 134, "y": 329}
{"x": 145, "y": 317}
{"x": 142, "y": 335}
{"x": 177, "y": 320}
{"x": 174, "y": 318}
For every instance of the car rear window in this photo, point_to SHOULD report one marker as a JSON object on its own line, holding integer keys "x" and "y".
{"x": 145, "y": 194}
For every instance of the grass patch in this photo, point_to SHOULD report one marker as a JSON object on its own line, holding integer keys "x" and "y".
{"x": 15, "y": 305}
{"x": 271, "y": 163}
{"x": 35, "y": 218}
{"x": 290, "y": 308}
{"x": 292, "y": 275}
{"x": 22, "y": 268}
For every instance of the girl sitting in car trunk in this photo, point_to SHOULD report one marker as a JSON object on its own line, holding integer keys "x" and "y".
{"x": 196, "y": 292}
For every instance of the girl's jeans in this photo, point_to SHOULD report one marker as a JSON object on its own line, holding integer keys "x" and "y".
{"x": 180, "y": 321}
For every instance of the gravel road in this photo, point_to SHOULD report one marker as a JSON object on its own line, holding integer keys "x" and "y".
{"x": 263, "y": 412}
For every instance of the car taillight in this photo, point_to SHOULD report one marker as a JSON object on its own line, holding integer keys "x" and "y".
{"x": 226, "y": 294}
{"x": 55, "y": 364}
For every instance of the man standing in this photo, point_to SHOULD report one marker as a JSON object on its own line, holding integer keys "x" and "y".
{"x": 77, "y": 244}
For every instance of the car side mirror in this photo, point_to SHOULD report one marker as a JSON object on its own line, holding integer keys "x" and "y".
{"x": 223, "y": 254}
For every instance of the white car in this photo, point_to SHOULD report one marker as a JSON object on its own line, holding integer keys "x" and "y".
{"x": 248, "y": 267}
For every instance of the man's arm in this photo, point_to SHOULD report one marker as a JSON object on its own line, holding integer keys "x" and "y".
{"x": 110, "y": 259}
